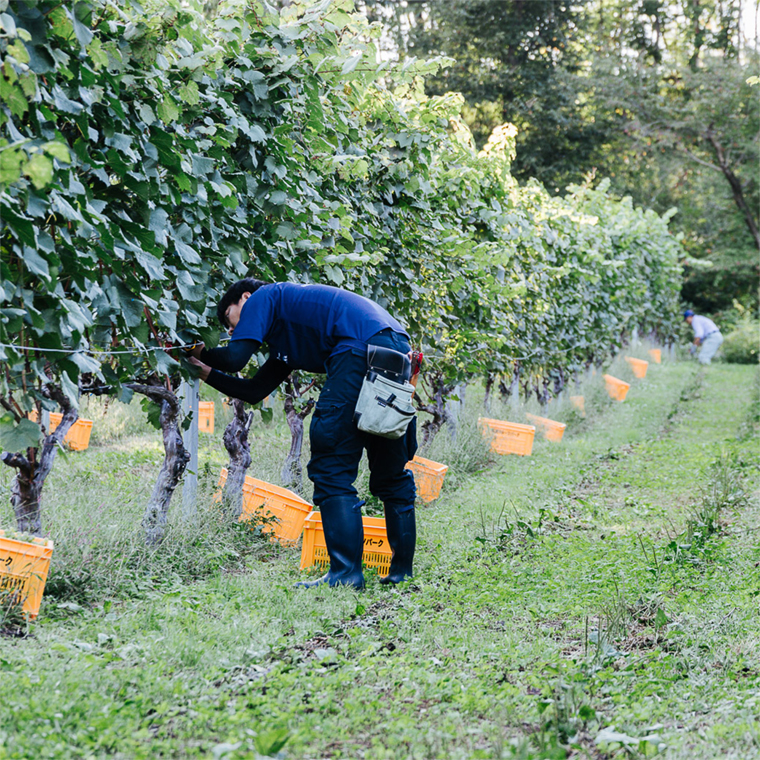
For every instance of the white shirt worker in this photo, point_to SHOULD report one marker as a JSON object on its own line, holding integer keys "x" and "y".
{"x": 706, "y": 335}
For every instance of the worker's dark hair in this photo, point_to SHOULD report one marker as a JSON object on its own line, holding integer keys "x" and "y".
{"x": 234, "y": 294}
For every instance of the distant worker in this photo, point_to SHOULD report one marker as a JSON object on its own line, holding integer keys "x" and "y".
{"x": 321, "y": 329}
{"x": 706, "y": 335}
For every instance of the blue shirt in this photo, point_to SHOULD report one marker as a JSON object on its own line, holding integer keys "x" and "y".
{"x": 304, "y": 325}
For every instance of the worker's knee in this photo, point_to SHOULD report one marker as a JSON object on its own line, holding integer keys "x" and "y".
{"x": 393, "y": 488}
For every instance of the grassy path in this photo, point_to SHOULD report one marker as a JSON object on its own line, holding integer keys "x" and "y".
{"x": 557, "y": 602}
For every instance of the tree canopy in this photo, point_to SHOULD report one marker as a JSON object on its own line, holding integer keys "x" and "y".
{"x": 653, "y": 95}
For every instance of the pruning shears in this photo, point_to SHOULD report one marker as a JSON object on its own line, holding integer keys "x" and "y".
{"x": 417, "y": 358}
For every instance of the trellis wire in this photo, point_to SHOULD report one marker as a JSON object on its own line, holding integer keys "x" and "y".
{"x": 98, "y": 352}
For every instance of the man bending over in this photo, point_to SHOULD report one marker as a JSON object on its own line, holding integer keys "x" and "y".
{"x": 322, "y": 329}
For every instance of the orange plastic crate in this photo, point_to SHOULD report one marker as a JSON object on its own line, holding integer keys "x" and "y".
{"x": 428, "y": 477}
{"x": 508, "y": 437}
{"x": 206, "y": 417}
{"x": 616, "y": 388}
{"x": 639, "y": 366}
{"x": 78, "y": 437}
{"x": 263, "y": 500}
{"x": 24, "y": 569}
{"x": 551, "y": 430}
{"x": 377, "y": 550}
{"x": 656, "y": 354}
{"x": 579, "y": 403}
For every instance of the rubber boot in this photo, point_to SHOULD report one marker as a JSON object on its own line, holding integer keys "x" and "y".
{"x": 402, "y": 536}
{"x": 344, "y": 536}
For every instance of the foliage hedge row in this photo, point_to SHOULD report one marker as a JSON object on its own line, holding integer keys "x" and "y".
{"x": 149, "y": 157}
{"x": 742, "y": 345}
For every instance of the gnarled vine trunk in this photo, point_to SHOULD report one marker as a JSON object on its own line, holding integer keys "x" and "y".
{"x": 541, "y": 389}
{"x": 490, "y": 380}
{"x": 559, "y": 381}
{"x": 454, "y": 407}
{"x": 438, "y": 393}
{"x": 33, "y": 468}
{"x": 292, "y": 469}
{"x": 511, "y": 391}
{"x": 174, "y": 464}
{"x": 239, "y": 449}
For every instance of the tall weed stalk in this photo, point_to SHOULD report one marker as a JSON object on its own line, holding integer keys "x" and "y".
{"x": 723, "y": 489}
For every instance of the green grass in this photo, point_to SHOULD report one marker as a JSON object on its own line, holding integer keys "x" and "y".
{"x": 556, "y": 596}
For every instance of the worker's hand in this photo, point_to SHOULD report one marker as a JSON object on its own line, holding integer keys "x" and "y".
{"x": 697, "y": 341}
{"x": 194, "y": 349}
{"x": 205, "y": 370}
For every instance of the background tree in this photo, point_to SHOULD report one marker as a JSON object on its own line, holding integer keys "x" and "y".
{"x": 650, "y": 93}
{"x": 674, "y": 74}
{"x": 517, "y": 62}
{"x": 695, "y": 138}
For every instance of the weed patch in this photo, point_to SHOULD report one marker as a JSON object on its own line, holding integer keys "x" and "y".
{"x": 91, "y": 567}
{"x": 13, "y": 621}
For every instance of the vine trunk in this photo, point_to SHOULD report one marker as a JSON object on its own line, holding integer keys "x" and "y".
{"x": 239, "y": 449}
{"x": 174, "y": 464}
{"x": 292, "y": 469}
{"x": 33, "y": 468}
{"x": 438, "y": 393}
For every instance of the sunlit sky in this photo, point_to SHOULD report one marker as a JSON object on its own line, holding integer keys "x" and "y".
{"x": 750, "y": 19}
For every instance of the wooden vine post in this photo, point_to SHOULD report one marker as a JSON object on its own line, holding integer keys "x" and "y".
{"x": 190, "y": 395}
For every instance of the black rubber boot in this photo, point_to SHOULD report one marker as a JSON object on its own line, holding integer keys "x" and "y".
{"x": 402, "y": 536}
{"x": 344, "y": 536}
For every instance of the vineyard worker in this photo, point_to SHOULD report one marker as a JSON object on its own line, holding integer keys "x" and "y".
{"x": 706, "y": 335}
{"x": 318, "y": 329}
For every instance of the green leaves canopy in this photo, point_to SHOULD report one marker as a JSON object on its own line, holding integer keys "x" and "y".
{"x": 148, "y": 163}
